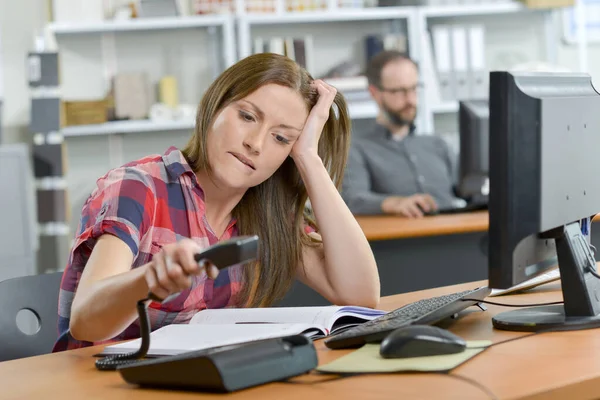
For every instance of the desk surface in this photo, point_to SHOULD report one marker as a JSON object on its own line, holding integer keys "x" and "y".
{"x": 381, "y": 227}
{"x": 555, "y": 365}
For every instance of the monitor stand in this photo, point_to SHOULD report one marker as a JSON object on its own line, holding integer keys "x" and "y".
{"x": 581, "y": 290}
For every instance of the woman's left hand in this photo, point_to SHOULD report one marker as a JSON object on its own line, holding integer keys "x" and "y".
{"x": 308, "y": 142}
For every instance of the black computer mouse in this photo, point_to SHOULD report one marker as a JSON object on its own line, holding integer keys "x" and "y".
{"x": 420, "y": 341}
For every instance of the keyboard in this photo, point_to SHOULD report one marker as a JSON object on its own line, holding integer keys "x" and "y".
{"x": 423, "y": 312}
{"x": 470, "y": 207}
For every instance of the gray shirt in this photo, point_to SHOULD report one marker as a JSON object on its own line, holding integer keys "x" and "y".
{"x": 380, "y": 166}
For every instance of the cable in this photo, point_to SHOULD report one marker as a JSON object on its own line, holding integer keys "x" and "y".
{"x": 515, "y": 305}
{"x": 510, "y": 340}
{"x": 594, "y": 273}
{"x": 110, "y": 363}
{"x": 472, "y": 382}
{"x": 337, "y": 377}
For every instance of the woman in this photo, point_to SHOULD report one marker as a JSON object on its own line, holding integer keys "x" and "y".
{"x": 266, "y": 136}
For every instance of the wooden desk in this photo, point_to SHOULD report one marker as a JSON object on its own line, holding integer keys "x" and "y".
{"x": 385, "y": 227}
{"x": 557, "y": 365}
{"x": 417, "y": 254}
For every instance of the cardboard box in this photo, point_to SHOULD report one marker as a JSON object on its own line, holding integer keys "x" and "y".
{"x": 548, "y": 3}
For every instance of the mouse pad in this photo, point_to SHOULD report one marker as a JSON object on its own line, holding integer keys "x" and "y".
{"x": 367, "y": 360}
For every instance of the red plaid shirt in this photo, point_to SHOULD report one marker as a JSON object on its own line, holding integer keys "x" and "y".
{"x": 148, "y": 203}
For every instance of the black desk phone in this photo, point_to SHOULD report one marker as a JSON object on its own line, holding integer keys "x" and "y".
{"x": 228, "y": 368}
{"x": 222, "y": 369}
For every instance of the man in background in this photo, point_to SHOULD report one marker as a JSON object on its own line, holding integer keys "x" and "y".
{"x": 392, "y": 170}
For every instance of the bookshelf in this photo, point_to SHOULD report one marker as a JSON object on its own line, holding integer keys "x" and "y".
{"x": 224, "y": 22}
{"x": 245, "y": 21}
{"x": 427, "y": 17}
{"x": 123, "y": 127}
{"x": 237, "y": 30}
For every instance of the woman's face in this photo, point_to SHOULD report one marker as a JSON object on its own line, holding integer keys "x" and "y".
{"x": 252, "y": 137}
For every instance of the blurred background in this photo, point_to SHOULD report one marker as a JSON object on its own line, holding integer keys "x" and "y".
{"x": 89, "y": 85}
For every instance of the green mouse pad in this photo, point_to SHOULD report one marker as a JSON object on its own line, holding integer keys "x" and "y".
{"x": 367, "y": 360}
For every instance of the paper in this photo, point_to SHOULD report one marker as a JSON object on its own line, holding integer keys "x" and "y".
{"x": 367, "y": 360}
{"x": 548, "y": 277}
{"x": 323, "y": 318}
{"x": 181, "y": 338}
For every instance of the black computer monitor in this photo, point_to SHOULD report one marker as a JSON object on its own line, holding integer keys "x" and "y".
{"x": 544, "y": 140}
{"x": 473, "y": 122}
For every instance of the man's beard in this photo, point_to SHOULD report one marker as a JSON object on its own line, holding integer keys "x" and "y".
{"x": 395, "y": 117}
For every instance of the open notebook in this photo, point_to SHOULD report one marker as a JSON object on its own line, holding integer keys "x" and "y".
{"x": 220, "y": 327}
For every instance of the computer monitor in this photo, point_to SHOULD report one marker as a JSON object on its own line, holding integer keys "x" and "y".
{"x": 544, "y": 139}
{"x": 473, "y": 121}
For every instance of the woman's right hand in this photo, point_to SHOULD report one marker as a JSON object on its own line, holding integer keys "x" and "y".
{"x": 172, "y": 268}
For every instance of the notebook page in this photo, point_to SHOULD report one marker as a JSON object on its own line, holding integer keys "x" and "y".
{"x": 179, "y": 338}
{"x": 319, "y": 317}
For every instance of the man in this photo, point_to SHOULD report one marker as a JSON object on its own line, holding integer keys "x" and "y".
{"x": 392, "y": 170}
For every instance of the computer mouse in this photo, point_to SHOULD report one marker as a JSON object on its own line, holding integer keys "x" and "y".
{"x": 420, "y": 341}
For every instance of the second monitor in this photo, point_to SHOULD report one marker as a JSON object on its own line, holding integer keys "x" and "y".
{"x": 473, "y": 121}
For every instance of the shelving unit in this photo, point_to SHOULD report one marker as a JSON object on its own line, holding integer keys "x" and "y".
{"x": 224, "y": 22}
{"x": 461, "y": 10}
{"x": 236, "y": 37}
{"x": 245, "y": 21}
{"x": 122, "y": 127}
{"x": 427, "y": 15}
{"x": 140, "y": 24}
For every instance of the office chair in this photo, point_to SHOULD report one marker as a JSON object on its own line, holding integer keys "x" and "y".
{"x": 38, "y": 294}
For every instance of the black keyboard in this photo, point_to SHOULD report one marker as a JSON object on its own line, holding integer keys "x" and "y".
{"x": 423, "y": 312}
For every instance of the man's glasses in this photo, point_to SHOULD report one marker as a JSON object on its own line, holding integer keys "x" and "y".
{"x": 404, "y": 91}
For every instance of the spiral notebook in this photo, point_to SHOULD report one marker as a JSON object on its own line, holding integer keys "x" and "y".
{"x": 221, "y": 327}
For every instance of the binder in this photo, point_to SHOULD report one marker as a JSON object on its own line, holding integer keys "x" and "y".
{"x": 309, "y": 54}
{"x": 460, "y": 62}
{"x": 45, "y": 115}
{"x": 478, "y": 74}
{"x": 276, "y": 45}
{"x": 300, "y": 52}
{"x": 432, "y": 85}
{"x": 443, "y": 61}
{"x": 48, "y": 160}
{"x": 52, "y": 205}
{"x": 43, "y": 69}
{"x": 289, "y": 48}
{"x": 259, "y": 45}
{"x": 373, "y": 45}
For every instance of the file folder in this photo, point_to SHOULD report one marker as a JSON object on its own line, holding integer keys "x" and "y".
{"x": 443, "y": 61}
{"x": 478, "y": 74}
{"x": 460, "y": 61}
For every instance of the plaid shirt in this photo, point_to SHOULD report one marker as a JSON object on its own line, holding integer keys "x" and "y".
{"x": 148, "y": 203}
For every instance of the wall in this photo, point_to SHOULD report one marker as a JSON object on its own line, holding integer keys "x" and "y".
{"x": 190, "y": 60}
{"x": 19, "y": 22}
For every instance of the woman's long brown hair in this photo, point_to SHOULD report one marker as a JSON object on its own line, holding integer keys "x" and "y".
{"x": 275, "y": 210}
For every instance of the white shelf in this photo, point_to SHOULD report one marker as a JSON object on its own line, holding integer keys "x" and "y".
{"x": 140, "y": 24}
{"x": 351, "y": 14}
{"x": 445, "y": 108}
{"x": 472, "y": 9}
{"x": 363, "y": 110}
{"x": 360, "y": 110}
{"x": 116, "y": 127}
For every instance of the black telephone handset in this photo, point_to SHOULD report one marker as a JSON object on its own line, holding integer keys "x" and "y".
{"x": 238, "y": 250}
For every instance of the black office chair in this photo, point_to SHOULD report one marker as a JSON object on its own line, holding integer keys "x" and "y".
{"x": 35, "y": 293}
